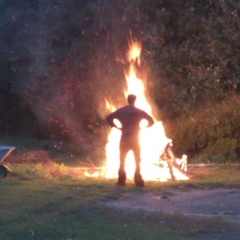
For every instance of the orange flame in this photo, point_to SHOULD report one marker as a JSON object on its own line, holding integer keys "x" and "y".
{"x": 152, "y": 140}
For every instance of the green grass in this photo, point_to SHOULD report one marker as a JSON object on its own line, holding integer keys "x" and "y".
{"x": 36, "y": 207}
{"x": 41, "y": 209}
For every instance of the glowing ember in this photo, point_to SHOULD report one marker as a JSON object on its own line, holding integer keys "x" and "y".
{"x": 153, "y": 140}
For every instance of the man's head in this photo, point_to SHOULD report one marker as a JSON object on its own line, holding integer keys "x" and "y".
{"x": 131, "y": 99}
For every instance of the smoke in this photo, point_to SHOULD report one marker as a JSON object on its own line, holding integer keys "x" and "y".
{"x": 78, "y": 62}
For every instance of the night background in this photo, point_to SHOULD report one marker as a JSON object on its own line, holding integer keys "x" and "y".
{"x": 60, "y": 60}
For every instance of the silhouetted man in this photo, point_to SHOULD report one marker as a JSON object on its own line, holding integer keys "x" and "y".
{"x": 130, "y": 117}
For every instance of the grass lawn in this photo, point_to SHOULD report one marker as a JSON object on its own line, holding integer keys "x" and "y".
{"x": 36, "y": 207}
{"x": 43, "y": 209}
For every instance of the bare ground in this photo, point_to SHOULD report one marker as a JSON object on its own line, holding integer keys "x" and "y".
{"x": 205, "y": 204}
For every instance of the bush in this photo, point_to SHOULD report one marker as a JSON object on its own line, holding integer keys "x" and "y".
{"x": 63, "y": 59}
{"x": 210, "y": 131}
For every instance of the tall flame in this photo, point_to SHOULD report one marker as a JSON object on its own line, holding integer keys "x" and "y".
{"x": 152, "y": 140}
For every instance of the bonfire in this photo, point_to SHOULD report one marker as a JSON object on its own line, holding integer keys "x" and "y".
{"x": 158, "y": 161}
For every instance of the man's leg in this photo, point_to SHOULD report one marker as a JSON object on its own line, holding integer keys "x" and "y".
{"x": 137, "y": 176}
{"x": 121, "y": 171}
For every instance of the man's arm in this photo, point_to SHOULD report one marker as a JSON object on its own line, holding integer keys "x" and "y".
{"x": 149, "y": 119}
{"x": 110, "y": 119}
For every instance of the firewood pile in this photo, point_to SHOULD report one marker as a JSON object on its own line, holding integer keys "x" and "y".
{"x": 173, "y": 162}
{"x": 33, "y": 157}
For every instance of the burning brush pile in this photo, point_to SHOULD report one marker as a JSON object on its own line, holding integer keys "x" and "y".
{"x": 158, "y": 162}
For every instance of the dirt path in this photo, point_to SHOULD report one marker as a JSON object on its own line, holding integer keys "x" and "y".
{"x": 209, "y": 203}
{"x": 206, "y": 203}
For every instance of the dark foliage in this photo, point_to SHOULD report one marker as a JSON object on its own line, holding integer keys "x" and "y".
{"x": 60, "y": 60}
